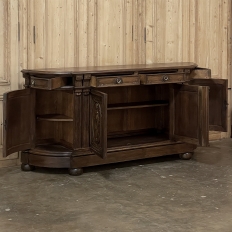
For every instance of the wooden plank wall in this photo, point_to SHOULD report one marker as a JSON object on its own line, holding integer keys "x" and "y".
{"x": 192, "y": 30}
{"x": 62, "y": 33}
{"x": 9, "y": 71}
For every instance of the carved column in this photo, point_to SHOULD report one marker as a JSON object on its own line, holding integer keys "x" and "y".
{"x": 85, "y": 111}
{"x": 77, "y": 111}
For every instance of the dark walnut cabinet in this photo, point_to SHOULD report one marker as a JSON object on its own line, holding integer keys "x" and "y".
{"x": 78, "y": 117}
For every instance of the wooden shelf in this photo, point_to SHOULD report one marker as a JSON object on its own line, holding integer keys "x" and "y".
{"x": 54, "y": 118}
{"x": 55, "y": 150}
{"x": 137, "y": 141}
{"x": 137, "y": 105}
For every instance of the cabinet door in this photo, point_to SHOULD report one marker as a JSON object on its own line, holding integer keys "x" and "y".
{"x": 19, "y": 121}
{"x": 98, "y": 123}
{"x": 217, "y": 102}
{"x": 189, "y": 114}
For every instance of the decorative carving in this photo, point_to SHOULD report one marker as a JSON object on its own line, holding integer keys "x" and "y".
{"x": 97, "y": 122}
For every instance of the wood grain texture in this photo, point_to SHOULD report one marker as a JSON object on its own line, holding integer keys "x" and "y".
{"x": 108, "y": 32}
{"x": 9, "y": 58}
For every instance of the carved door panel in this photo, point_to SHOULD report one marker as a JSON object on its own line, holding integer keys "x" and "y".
{"x": 19, "y": 121}
{"x": 98, "y": 123}
{"x": 217, "y": 102}
{"x": 189, "y": 112}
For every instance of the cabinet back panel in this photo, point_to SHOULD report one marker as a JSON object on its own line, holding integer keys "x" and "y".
{"x": 54, "y": 102}
{"x": 138, "y": 119}
{"x": 186, "y": 114}
{"x": 136, "y": 93}
{"x": 126, "y": 120}
{"x": 59, "y": 132}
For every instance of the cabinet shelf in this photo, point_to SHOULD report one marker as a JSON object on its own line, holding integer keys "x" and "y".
{"x": 54, "y": 118}
{"x": 137, "y": 141}
{"x": 137, "y": 105}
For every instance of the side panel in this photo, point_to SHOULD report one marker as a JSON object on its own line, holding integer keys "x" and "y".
{"x": 19, "y": 121}
{"x": 189, "y": 114}
{"x": 98, "y": 123}
{"x": 218, "y": 89}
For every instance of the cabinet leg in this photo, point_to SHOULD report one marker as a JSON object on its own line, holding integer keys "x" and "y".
{"x": 75, "y": 171}
{"x": 186, "y": 156}
{"x": 27, "y": 167}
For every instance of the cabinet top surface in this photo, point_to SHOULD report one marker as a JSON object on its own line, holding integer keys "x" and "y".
{"x": 112, "y": 68}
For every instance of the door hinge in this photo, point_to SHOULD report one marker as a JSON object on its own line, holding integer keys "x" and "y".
{"x": 5, "y": 124}
{"x": 145, "y": 35}
{"x": 18, "y": 31}
{"x": 132, "y": 33}
{"x": 34, "y": 34}
{"x": 226, "y": 104}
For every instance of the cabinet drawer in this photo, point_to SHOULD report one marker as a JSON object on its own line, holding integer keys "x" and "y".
{"x": 163, "y": 78}
{"x": 48, "y": 83}
{"x": 107, "y": 81}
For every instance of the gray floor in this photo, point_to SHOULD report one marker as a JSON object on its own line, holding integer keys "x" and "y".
{"x": 162, "y": 194}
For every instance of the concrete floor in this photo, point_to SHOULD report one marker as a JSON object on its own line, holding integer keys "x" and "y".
{"x": 155, "y": 195}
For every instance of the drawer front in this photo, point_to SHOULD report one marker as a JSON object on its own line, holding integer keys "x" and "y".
{"x": 108, "y": 81}
{"x": 48, "y": 83}
{"x": 163, "y": 78}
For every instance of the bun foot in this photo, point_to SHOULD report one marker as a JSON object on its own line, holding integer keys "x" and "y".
{"x": 27, "y": 167}
{"x": 186, "y": 156}
{"x": 75, "y": 171}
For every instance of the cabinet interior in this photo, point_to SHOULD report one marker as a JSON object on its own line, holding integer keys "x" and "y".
{"x": 54, "y": 117}
{"x": 137, "y": 115}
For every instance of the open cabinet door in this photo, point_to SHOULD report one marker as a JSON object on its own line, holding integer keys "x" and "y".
{"x": 217, "y": 102}
{"x": 19, "y": 121}
{"x": 98, "y": 123}
{"x": 189, "y": 114}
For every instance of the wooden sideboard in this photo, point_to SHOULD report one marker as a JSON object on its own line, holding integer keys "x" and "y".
{"x": 85, "y": 116}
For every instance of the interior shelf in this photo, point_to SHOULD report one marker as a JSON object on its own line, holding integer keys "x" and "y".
{"x": 51, "y": 150}
{"x": 136, "y": 140}
{"x": 54, "y": 118}
{"x": 137, "y": 105}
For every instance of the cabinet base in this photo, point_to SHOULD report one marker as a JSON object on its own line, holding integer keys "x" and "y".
{"x": 186, "y": 156}
{"x": 75, "y": 171}
{"x": 76, "y": 161}
{"x": 27, "y": 167}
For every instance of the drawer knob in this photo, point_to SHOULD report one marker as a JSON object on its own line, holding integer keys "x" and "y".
{"x": 33, "y": 82}
{"x": 118, "y": 80}
{"x": 165, "y": 78}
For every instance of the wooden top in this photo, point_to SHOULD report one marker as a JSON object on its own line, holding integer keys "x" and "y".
{"x": 112, "y": 68}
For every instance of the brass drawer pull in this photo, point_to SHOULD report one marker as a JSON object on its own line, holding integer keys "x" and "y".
{"x": 118, "y": 80}
{"x": 33, "y": 82}
{"x": 165, "y": 78}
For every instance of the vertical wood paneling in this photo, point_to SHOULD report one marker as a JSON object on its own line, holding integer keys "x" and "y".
{"x": 69, "y": 33}
{"x": 99, "y": 32}
{"x": 197, "y": 31}
{"x": 202, "y": 32}
{"x": 214, "y": 43}
{"x": 160, "y": 24}
{"x": 129, "y": 33}
{"x": 173, "y": 31}
{"x": 110, "y": 28}
{"x": 2, "y": 40}
{"x": 23, "y": 48}
{"x": 30, "y": 42}
{"x": 82, "y": 25}
{"x": 150, "y": 35}
{"x": 9, "y": 58}
{"x": 192, "y": 29}
{"x": 55, "y": 35}
{"x": 184, "y": 46}
{"x": 91, "y": 32}
{"x": 40, "y": 36}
